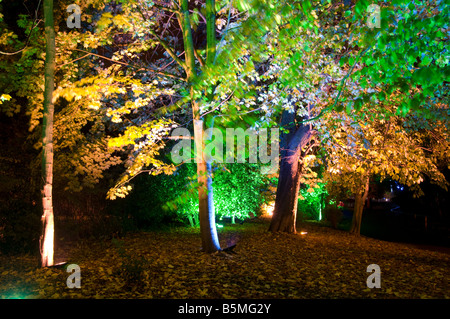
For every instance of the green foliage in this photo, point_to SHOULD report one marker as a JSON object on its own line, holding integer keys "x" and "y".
{"x": 406, "y": 55}
{"x": 165, "y": 199}
{"x": 21, "y": 75}
{"x": 237, "y": 190}
{"x": 311, "y": 202}
{"x": 151, "y": 193}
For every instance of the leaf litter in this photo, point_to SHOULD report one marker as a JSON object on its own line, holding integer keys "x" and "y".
{"x": 324, "y": 263}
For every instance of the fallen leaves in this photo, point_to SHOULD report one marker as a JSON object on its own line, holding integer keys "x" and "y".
{"x": 325, "y": 263}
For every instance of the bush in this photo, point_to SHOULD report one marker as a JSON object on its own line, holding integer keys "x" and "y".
{"x": 311, "y": 202}
{"x": 238, "y": 190}
{"x": 147, "y": 205}
{"x": 171, "y": 199}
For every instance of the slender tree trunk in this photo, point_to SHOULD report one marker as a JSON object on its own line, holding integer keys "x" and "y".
{"x": 47, "y": 238}
{"x": 360, "y": 199}
{"x": 191, "y": 220}
{"x": 285, "y": 211}
{"x": 208, "y": 231}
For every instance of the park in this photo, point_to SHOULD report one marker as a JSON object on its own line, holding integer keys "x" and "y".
{"x": 224, "y": 149}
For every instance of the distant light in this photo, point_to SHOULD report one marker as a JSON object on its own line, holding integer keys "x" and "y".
{"x": 268, "y": 209}
{"x": 220, "y": 225}
{"x": 303, "y": 232}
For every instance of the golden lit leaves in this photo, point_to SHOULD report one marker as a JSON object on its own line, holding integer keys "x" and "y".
{"x": 146, "y": 141}
{"x": 391, "y": 147}
{"x": 5, "y": 97}
{"x": 118, "y": 20}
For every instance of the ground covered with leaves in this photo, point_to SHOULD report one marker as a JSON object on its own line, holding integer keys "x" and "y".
{"x": 324, "y": 263}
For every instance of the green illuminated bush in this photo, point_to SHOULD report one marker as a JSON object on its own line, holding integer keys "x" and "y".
{"x": 237, "y": 190}
{"x": 163, "y": 199}
{"x": 311, "y": 202}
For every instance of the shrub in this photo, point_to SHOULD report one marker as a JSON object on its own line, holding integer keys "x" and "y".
{"x": 311, "y": 202}
{"x": 168, "y": 199}
{"x": 238, "y": 190}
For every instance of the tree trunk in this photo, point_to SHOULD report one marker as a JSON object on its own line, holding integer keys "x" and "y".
{"x": 208, "y": 231}
{"x": 360, "y": 199}
{"x": 47, "y": 238}
{"x": 291, "y": 144}
{"x": 285, "y": 211}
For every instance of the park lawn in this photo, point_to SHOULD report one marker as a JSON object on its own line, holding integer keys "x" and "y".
{"x": 323, "y": 263}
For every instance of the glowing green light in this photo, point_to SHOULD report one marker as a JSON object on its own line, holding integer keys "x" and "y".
{"x": 219, "y": 225}
{"x": 14, "y": 295}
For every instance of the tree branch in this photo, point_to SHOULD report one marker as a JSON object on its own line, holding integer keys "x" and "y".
{"x": 127, "y": 64}
{"x": 165, "y": 8}
{"x": 301, "y": 137}
{"x": 35, "y": 23}
{"x": 73, "y": 60}
{"x": 199, "y": 58}
{"x": 163, "y": 43}
{"x": 168, "y": 49}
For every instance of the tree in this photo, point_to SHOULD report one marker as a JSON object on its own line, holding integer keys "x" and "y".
{"x": 399, "y": 148}
{"x": 133, "y": 87}
{"x": 291, "y": 145}
{"x": 358, "y": 58}
{"x": 210, "y": 241}
{"x": 393, "y": 88}
{"x": 47, "y": 139}
{"x": 310, "y": 40}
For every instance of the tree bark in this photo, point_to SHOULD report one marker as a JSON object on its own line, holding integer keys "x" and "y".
{"x": 47, "y": 238}
{"x": 285, "y": 211}
{"x": 208, "y": 231}
{"x": 360, "y": 199}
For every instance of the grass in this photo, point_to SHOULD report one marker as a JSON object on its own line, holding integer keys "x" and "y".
{"x": 324, "y": 263}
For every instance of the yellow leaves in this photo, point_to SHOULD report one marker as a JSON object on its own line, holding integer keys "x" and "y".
{"x": 375, "y": 169}
{"x": 266, "y": 265}
{"x": 95, "y": 105}
{"x": 121, "y": 192}
{"x": 203, "y": 292}
{"x": 360, "y": 170}
{"x": 5, "y": 97}
{"x": 121, "y": 21}
{"x": 308, "y": 159}
{"x": 104, "y": 21}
